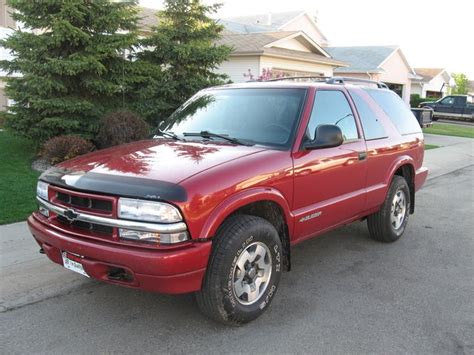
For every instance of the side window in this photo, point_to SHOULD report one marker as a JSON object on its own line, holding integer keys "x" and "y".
{"x": 331, "y": 107}
{"x": 448, "y": 100}
{"x": 396, "y": 110}
{"x": 371, "y": 125}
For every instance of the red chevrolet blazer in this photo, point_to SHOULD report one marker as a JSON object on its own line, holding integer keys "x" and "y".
{"x": 236, "y": 177}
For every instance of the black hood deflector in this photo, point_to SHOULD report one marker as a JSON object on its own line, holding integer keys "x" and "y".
{"x": 126, "y": 186}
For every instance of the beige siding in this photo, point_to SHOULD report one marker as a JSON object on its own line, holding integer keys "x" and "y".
{"x": 396, "y": 71}
{"x": 5, "y": 17}
{"x": 292, "y": 44}
{"x": 435, "y": 85}
{"x": 3, "y": 100}
{"x": 237, "y": 66}
{"x": 293, "y": 65}
{"x": 303, "y": 23}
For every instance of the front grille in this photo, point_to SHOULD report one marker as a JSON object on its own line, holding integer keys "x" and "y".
{"x": 97, "y": 228}
{"x": 84, "y": 202}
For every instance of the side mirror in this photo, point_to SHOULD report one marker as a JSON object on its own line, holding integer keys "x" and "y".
{"x": 326, "y": 136}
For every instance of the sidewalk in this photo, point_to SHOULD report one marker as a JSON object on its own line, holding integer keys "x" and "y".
{"x": 454, "y": 153}
{"x": 28, "y": 277}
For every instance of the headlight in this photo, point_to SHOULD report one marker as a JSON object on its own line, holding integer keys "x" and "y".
{"x": 140, "y": 210}
{"x": 42, "y": 190}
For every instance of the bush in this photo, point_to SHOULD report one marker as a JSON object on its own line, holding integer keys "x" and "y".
{"x": 62, "y": 148}
{"x": 415, "y": 100}
{"x": 121, "y": 127}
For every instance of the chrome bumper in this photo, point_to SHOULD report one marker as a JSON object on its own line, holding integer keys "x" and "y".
{"x": 112, "y": 222}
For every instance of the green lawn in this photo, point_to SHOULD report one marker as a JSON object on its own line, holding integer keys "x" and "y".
{"x": 431, "y": 146}
{"x": 450, "y": 130}
{"x": 17, "y": 179}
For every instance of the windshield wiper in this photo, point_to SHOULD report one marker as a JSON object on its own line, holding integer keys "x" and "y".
{"x": 207, "y": 134}
{"x": 167, "y": 134}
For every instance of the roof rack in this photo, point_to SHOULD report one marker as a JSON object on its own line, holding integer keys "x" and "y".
{"x": 333, "y": 80}
{"x": 342, "y": 80}
{"x": 315, "y": 78}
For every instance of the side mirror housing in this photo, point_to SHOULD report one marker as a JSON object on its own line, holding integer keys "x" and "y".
{"x": 326, "y": 136}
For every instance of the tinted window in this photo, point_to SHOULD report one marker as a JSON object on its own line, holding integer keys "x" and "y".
{"x": 447, "y": 101}
{"x": 396, "y": 110}
{"x": 331, "y": 107}
{"x": 373, "y": 129}
{"x": 260, "y": 116}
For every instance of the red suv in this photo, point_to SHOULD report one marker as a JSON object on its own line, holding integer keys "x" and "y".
{"x": 236, "y": 177}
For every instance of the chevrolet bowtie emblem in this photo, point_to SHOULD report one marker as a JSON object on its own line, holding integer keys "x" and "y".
{"x": 71, "y": 215}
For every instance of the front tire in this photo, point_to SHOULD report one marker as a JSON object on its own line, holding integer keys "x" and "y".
{"x": 244, "y": 271}
{"x": 389, "y": 223}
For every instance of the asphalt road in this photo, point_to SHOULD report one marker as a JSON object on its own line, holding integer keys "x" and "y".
{"x": 345, "y": 294}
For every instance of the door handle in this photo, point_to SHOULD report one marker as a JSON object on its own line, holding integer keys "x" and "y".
{"x": 362, "y": 155}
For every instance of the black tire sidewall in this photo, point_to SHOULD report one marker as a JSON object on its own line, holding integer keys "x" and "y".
{"x": 259, "y": 232}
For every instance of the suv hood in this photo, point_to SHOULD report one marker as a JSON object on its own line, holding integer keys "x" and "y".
{"x": 148, "y": 169}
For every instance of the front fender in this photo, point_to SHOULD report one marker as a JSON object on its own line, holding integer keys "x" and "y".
{"x": 241, "y": 199}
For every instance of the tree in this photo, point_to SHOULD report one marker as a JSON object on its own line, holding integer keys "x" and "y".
{"x": 72, "y": 64}
{"x": 462, "y": 84}
{"x": 181, "y": 54}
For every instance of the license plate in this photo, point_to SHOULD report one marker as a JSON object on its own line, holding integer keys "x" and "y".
{"x": 73, "y": 265}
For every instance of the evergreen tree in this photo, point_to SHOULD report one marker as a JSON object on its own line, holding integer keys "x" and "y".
{"x": 182, "y": 55}
{"x": 72, "y": 64}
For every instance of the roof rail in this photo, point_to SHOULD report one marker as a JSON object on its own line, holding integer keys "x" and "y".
{"x": 316, "y": 78}
{"x": 342, "y": 80}
{"x": 332, "y": 80}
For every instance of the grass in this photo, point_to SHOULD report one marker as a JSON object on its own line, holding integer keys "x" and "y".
{"x": 450, "y": 130}
{"x": 431, "y": 146}
{"x": 17, "y": 179}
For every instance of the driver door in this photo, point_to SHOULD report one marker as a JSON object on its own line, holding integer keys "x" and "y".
{"x": 330, "y": 182}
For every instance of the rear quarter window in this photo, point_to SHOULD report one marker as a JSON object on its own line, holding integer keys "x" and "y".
{"x": 398, "y": 112}
{"x": 371, "y": 125}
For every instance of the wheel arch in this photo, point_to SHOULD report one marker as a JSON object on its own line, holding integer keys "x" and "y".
{"x": 405, "y": 168}
{"x": 266, "y": 203}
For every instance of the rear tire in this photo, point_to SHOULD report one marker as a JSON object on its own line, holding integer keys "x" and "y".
{"x": 243, "y": 272}
{"x": 389, "y": 223}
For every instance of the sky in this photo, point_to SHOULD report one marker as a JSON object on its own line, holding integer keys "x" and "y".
{"x": 431, "y": 33}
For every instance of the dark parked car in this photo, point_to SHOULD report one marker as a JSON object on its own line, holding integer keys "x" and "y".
{"x": 453, "y": 106}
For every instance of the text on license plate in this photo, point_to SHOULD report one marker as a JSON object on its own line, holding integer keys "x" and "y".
{"x": 73, "y": 265}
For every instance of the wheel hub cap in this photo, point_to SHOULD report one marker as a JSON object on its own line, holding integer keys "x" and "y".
{"x": 252, "y": 273}
{"x": 398, "y": 210}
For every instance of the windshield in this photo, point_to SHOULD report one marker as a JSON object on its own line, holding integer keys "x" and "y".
{"x": 263, "y": 116}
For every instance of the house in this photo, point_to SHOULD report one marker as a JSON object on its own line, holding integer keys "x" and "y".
{"x": 285, "y": 53}
{"x": 6, "y": 28}
{"x": 287, "y": 44}
{"x": 433, "y": 82}
{"x": 277, "y": 22}
{"x": 387, "y": 64}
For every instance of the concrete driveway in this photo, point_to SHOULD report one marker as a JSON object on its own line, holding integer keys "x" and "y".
{"x": 345, "y": 294}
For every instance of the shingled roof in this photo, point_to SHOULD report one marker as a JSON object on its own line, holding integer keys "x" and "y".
{"x": 361, "y": 58}
{"x": 428, "y": 73}
{"x": 260, "y": 44}
{"x": 276, "y": 19}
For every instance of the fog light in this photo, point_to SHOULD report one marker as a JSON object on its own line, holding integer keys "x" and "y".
{"x": 148, "y": 237}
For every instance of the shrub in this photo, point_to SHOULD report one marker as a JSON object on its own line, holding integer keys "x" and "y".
{"x": 121, "y": 127}
{"x": 61, "y": 148}
{"x": 415, "y": 100}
